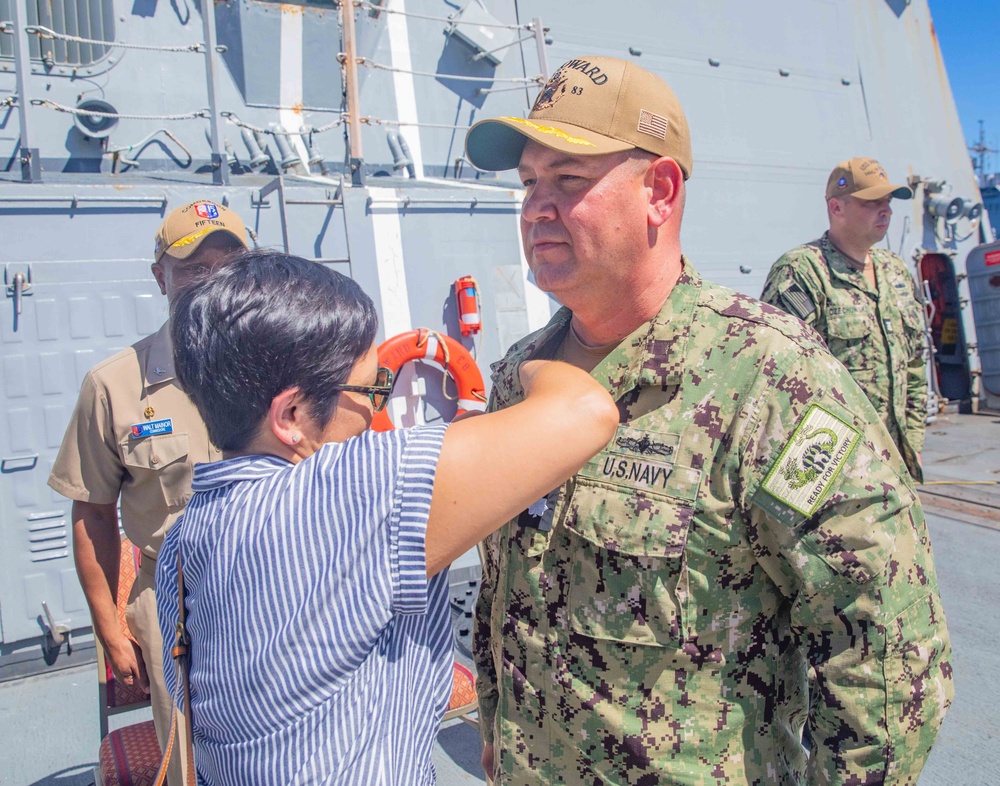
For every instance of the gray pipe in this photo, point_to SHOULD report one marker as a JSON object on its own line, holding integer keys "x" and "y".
{"x": 258, "y": 160}
{"x": 289, "y": 158}
{"x": 401, "y": 158}
{"x": 316, "y": 157}
{"x": 411, "y": 170}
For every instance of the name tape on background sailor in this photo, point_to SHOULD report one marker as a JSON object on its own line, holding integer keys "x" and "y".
{"x": 152, "y": 429}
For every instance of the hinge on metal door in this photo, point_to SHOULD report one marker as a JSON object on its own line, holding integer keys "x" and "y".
{"x": 17, "y": 285}
{"x": 57, "y": 631}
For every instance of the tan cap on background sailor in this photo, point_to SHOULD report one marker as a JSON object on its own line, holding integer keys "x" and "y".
{"x": 590, "y": 106}
{"x": 186, "y": 227}
{"x": 863, "y": 178}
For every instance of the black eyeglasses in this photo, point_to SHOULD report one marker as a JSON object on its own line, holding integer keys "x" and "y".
{"x": 378, "y": 393}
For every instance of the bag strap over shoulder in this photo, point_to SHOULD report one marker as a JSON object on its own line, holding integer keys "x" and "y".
{"x": 181, "y": 655}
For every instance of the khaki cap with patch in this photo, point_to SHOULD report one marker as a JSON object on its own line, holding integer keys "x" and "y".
{"x": 863, "y": 178}
{"x": 187, "y": 226}
{"x": 590, "y": 106}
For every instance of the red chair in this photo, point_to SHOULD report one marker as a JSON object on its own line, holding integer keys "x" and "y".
{"x": 129, "y": 756}
{"x": 463, "y": 701}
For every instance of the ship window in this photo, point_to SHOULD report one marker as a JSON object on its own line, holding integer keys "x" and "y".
{"x": 94, "y": 19}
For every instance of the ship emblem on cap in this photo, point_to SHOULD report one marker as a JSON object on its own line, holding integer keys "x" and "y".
{"x": 554, "y": 89}
{"x": 207, "y": 210}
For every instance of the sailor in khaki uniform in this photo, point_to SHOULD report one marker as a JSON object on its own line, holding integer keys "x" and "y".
{"x": 653, "y": 620}
{"x": 135, "y": 436}
{"x": 863, "y": 301}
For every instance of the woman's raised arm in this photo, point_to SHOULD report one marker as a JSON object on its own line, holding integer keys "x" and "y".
{"x": 495, "y": 465}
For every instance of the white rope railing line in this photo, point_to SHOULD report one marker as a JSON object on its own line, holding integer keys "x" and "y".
{"x": 450, "y": 20}
{"x": 320, "y": 129}
{"x": 117, "y": 115}
{"x": 379, "y": 121}
{"x": 46, "y": 32}
{"x": 306, "y": 129}
{"x": 487, "y": 90}
{"x": 522, "y": 80}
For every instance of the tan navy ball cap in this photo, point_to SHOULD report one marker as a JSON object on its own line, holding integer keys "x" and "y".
{"x": 590, "y": 106}
{"x": 863, "y": 178}
{"x": 187, "y": 226}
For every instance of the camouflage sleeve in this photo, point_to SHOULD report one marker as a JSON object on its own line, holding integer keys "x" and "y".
{"x": 916, "y": 377}
{"x": 786, "y": 288}
{"x": 835, "y": 523}
{"x": 482, "y": 651}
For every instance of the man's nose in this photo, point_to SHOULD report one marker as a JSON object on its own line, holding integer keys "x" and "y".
{"x": 538, "y": 205}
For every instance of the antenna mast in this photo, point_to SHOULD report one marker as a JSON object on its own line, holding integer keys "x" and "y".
{"x": 981, "y": 149}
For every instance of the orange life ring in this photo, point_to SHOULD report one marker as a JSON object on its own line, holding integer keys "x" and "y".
{"x": 429, "y": 346}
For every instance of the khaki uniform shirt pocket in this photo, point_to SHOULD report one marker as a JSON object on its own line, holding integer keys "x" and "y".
{"x": 159, "y": 466}
{"x": 627, "y": 570}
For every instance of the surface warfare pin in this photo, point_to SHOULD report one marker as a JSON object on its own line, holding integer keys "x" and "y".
{"x": 539, "y": 515}
{"x": 153, "y": 428}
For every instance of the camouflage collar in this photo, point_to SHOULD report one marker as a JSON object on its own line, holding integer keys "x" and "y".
{"x": 652, "y": 355}
{"x": 840, "y": 265}
{"x": 663, "y": 352}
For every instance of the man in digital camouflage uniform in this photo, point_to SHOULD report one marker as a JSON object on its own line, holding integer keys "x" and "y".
{"x": 134, "y": 438}
{"x": 863, "y": 301}
{"x": 653, "y": 620}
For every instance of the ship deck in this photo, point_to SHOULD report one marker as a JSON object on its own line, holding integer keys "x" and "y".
{"x": 49, "y": 723}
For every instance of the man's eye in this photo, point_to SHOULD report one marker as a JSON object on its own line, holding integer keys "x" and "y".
{"x": 528, "y": 181}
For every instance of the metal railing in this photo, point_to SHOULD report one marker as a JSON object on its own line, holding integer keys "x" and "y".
{"x": 20, "y": 30}
{"x": 26, "y": 32}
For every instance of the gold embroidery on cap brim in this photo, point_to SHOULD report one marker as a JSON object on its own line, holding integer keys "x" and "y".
{"x": 573, "y": 140}
{"x": 186, "y": 241}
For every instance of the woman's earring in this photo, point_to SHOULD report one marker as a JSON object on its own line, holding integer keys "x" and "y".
{"x": 295, "y": 438}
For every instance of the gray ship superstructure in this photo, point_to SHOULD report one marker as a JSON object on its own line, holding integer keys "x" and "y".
{"x": 336, "y": 132}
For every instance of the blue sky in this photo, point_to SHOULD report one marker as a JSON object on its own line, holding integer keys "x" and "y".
{"x": 967, "y": 31}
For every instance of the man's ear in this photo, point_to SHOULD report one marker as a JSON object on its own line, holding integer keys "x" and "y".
{"x": 286, "y": 417}
{"x": 666, "y": 181}
{"x": 160, "y": 276}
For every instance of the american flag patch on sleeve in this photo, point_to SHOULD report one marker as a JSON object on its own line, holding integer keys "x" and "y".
{"x": 652, "y": 124}
{"x": 795, "y": 300}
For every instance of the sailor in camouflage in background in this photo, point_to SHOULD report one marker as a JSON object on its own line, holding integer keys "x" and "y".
{"x": 863, "y": 301}
{"x": 653, "y": 620}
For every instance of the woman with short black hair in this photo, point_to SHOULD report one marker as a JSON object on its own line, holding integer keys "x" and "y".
{"x": 314, "y": 554}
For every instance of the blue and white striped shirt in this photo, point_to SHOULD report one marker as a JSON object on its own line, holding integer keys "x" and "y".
{"x": 320, "y": 651}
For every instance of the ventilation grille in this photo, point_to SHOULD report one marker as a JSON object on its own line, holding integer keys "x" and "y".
{"x": 84, "y": 18}
{"x": 47, "y": 534}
